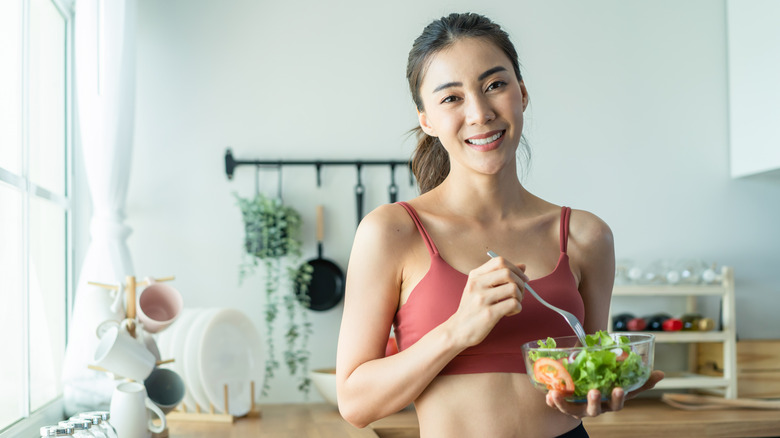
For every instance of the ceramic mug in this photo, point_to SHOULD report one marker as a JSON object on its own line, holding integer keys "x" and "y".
{"x": 165, "y": 388}
{"x": 131, "y": 411}
{"x": 122, "y": 354}
{"x": 158, "y": 306}
{"x": 140, "y": 333}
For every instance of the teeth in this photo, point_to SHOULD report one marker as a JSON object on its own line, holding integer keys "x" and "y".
{"x": 483, "y": 141}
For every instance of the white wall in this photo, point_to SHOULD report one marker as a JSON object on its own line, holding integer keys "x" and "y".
{"x": 628, "y": 119}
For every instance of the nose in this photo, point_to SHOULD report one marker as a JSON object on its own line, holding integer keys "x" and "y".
{"x": 479, "y": 111}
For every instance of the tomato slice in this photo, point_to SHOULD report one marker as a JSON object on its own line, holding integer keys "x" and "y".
{"x": 553, "y": 374}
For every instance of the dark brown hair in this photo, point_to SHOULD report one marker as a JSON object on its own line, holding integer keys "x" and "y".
{"x": 430, "y": 162}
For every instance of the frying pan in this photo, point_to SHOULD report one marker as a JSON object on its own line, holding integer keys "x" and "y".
{"x": 326, "y": 288}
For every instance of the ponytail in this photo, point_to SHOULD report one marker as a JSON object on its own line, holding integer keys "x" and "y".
{"x": 430, "y": 162}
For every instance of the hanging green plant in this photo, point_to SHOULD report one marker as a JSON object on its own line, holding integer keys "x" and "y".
{"x": 272, "y": 240}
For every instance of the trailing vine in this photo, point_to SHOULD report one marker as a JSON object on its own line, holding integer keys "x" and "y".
{"x": 272, "y": 236}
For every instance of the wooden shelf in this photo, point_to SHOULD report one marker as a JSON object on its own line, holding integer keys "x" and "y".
{"x": 668, "y": 290}
{"x": 727, "y": 384}
{"x": 691, "y": 381}
{"x": 688, "y": 337}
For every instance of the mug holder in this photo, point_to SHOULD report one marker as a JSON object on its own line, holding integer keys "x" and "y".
{"x": 180, "y": 412}
{"x": 130, "y": 286}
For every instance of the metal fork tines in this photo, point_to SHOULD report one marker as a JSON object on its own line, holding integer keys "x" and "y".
{"x": 568, "y": 316}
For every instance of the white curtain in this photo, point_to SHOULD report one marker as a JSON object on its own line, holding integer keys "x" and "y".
{"x": 105, "y": 93}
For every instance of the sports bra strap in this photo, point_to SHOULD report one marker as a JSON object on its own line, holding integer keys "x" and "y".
{"x": 426, "y": 238}
{"x": 565, "y": 213}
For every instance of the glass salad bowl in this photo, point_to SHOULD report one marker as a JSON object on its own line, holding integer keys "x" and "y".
{"x": 610, "y": 360}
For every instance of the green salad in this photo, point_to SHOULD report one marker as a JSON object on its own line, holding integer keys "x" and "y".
{"x": 578, "y": 370}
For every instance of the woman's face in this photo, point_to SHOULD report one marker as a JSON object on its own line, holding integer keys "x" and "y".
{"x": 474, "y": 104}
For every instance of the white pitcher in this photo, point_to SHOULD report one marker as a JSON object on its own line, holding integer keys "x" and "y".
{"x": 130, "y": 412}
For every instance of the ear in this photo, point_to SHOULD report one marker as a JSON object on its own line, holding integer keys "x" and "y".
{"x": 423, "y": 120}
{"x": 525, "y": 95}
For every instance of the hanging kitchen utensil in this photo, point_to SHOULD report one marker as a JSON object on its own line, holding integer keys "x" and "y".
{"x": 326, "y": 287}
{"x": 392, "y": 189}
{"x": 359, "y": 192}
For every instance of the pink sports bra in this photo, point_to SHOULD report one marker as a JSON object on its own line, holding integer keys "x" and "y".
{"x": 437, "y": 296}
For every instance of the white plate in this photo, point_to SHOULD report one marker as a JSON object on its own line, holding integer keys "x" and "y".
{"x": 192, "y": 344}
{"x": 231, "y": 353}
{"x": 175, "y": 338}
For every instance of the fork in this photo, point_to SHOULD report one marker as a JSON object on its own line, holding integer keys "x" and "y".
{"x": 568, "y": 316}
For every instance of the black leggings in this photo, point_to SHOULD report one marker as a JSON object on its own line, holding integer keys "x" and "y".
{"x": 577, "y": 432}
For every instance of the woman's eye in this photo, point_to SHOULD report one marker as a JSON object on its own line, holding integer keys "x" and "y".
{"x": 449, "y": 99}
{"x": 496, "y": 84}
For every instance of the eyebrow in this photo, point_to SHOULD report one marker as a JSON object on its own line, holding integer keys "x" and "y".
{"x": 481, "y": 77}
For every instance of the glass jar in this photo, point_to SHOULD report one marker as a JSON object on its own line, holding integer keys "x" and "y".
{"x": 47, "y": 431}
{"x": 80, "y": 427}
{"x": 101, "y": 426}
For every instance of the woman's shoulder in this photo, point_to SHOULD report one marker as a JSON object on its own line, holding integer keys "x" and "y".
{"x": 587, "y": 222}
{"x": 590, "y": 238}
{"x": 388, "y": 224}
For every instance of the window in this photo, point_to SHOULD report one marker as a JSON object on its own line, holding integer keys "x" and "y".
{"x": 35, "y": 208}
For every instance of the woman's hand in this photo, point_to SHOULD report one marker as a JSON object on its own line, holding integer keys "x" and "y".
{"x": 493, "y": 291}
{"x": 595, "y": 407}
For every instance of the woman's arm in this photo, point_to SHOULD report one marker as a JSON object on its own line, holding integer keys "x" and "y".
{"x": 372, "y": 386}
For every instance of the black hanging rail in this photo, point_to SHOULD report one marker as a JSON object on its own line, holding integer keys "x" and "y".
{"x": 231, "y": 164}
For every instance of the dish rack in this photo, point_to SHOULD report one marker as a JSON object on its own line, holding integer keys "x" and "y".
{"x": 210, "y": 415}
{"x": 180, "y": 412}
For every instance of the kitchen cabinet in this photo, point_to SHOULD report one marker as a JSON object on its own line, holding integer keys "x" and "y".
{"x": 724, "y": 334}
{"x": 754, "y": 93}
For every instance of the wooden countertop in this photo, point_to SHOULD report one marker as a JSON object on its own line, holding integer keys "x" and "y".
{"x": 302, "y": 420}
{"x": 640, "y": 418}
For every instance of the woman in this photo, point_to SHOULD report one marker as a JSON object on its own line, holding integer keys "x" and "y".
{"x": 461, "y": 317}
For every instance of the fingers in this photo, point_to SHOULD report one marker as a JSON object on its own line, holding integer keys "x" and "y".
{"x": 503, "y": 283}
{"x": 594, "y": 403}
{"x": 618, "y": 398}
{"x": 500, "y": 262}
{"x": 508, "y": 307}
{"x": 496, "y": 281}
{"x": 499, "y": 271}
{"x": 593, "y": 407}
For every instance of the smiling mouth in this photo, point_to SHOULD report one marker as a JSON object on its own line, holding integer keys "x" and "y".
{"x": 487, "y": 140}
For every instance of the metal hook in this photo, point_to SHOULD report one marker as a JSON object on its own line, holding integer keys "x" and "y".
{"x": 257, "y": 180}
{"x": 393, "y": 189}
{"x": 318, "y": 165}
{"x": 359, "y": 191}
{"x": 279, "y": 184}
